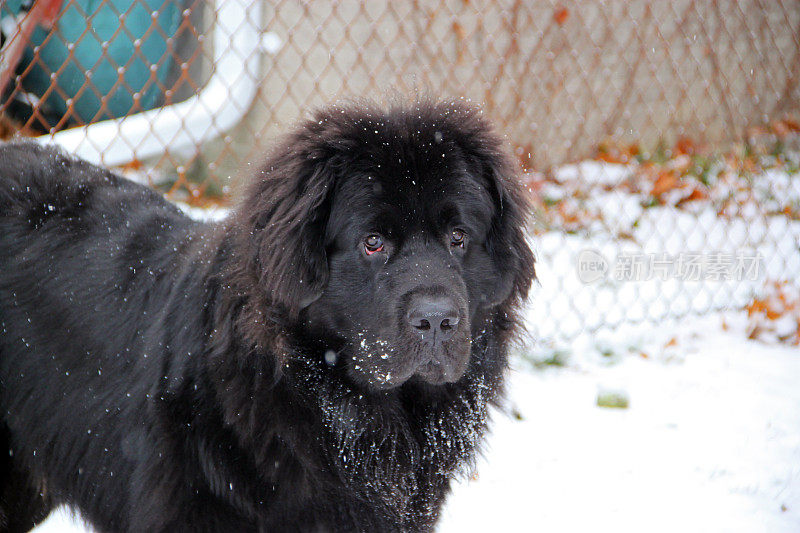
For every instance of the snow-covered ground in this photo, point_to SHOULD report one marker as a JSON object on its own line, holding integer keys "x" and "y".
{"x": 648, "y": 252}
{"x": 709, "y": 443}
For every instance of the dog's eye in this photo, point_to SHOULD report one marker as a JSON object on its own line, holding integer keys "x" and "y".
{"x": 457, "y": 237}
{"x": 373, "y": 243}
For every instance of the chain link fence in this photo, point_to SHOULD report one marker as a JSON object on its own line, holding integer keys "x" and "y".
{"x": 659, "y": 139}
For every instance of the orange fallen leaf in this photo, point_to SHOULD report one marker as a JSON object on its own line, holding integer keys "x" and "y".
{"x": 685, "y": 146}
{"x": 696, "y": 194}
{"x": 133, "y": 164}
{"x": 665, "y": 182}
{"x": 561, "y": 15}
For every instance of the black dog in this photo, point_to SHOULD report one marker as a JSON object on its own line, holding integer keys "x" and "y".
{"x": 322, "y": 360}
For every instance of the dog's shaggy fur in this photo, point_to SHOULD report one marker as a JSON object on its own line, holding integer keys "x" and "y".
{"x": 162, "y": 374}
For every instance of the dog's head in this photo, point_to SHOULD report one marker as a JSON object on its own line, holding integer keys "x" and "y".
{"x": 387, "y": 235}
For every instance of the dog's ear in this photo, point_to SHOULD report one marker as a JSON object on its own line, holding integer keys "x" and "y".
{"x": 282, "y": 221}
{"x": 506, "y": 243}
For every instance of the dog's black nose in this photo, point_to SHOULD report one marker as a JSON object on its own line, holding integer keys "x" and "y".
{"x": 435, "y": 318}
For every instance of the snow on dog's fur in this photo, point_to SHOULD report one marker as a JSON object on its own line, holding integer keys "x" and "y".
{"x": 321, "y": 360}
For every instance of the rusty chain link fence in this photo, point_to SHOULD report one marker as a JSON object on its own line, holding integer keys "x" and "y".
{"x": 658, "y": 139}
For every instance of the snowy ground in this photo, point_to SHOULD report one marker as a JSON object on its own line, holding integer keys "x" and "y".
{"x": 658, "y": 243}
{"x": 710, "y": 443}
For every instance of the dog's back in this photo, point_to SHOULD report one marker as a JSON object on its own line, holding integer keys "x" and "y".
{"x": 76, "y": 242}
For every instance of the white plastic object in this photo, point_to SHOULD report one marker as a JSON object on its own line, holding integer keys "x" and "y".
{"x": 219, "y": 105}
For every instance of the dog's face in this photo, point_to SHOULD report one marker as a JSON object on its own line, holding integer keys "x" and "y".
{"x": 408, "y": 265}
{"x": 415, "y": 231}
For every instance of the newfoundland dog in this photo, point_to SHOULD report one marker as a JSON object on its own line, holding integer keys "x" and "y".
{"x": 321, "y": 360}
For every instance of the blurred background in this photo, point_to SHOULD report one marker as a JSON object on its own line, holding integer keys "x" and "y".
{"x": 659, "y": 142}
